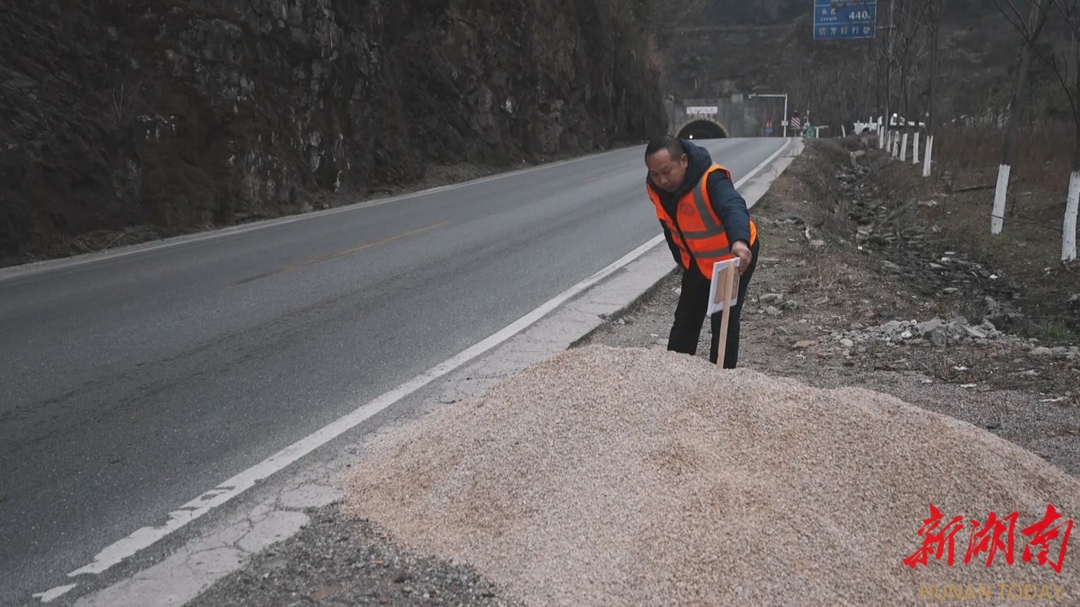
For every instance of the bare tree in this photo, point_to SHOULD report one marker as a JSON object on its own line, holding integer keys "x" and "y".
{"x": 1029, "y": 29}
{"x": 911, "y": 63}
{"x": 887, "y": 65}
{"x": 1065, "y": 65}
{"x": 899, "y": 58}
{"x": 933, "y": 13}
{"x": 911, "y": 51}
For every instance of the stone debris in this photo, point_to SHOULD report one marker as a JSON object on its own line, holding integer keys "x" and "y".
{"x": 942, "y": 332}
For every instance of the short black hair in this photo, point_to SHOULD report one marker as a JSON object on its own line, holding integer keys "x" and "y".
{"x": 672, "y": 144}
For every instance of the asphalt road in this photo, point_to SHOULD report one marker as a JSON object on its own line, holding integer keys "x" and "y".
{"x": 133, "y": 383}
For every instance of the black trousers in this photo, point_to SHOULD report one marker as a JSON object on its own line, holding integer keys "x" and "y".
{"x": 691, "y": 309}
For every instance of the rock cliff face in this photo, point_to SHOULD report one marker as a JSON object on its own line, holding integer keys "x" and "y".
{"x": 170, "y": 116}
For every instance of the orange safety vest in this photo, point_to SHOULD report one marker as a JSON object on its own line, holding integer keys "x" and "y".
{"x": 699, "y": 231}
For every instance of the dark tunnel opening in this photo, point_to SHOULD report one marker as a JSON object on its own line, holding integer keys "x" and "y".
{"x": 702, "y": 129}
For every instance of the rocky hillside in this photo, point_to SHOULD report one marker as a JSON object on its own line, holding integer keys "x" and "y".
{"x": 172, "y": 116}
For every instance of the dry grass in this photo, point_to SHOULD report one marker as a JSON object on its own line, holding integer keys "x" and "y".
{"x": 821, "y": 276}
{"x": 1043, "y": 155}
{"x": 1027, "y": 253}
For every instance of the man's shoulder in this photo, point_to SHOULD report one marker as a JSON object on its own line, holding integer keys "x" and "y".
{"x": 721, "y": 187}
{"x": 718, "y": 175}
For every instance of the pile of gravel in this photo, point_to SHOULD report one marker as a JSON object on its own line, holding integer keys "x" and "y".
{"x": 634, "y": 476}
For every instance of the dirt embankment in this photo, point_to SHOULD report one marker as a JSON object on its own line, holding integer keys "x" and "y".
{"x": 127, "y": 121}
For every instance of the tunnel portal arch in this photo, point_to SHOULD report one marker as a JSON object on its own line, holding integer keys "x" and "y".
{"x": 702, "y": 128}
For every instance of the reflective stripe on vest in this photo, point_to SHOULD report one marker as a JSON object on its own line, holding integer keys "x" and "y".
{"x": 699, "y": 233}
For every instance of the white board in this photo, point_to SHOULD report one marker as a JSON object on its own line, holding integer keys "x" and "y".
{"x": 715, "y": 294}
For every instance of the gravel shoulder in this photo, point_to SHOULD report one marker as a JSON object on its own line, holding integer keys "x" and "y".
{"x": 337, "y": 560}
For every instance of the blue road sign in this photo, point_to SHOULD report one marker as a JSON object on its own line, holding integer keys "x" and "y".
{"x": 845, "y": 19}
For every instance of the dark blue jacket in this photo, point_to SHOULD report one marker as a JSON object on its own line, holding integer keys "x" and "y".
{"x": 729, "y": 206}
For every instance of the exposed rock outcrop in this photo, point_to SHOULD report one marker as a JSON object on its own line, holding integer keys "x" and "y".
{"x": 170, "y": 116}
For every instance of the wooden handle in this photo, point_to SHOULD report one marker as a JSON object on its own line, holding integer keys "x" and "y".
{"x": 728, "y": 278}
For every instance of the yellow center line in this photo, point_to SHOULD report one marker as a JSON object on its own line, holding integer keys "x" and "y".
{"x": 297, "y": 266}
{"x": 375, "y": 244}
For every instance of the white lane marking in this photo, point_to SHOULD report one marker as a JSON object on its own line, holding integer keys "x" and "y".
{"x": 146, "y": 536}
{"x": 74, "y": 262}
{"x": 55, "y": 593}
{"x": 761, "y": 166}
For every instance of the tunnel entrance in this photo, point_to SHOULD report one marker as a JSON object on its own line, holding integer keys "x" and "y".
{"x": 702, "y": 129}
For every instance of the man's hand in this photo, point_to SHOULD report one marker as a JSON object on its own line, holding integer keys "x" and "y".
{"x": 741, "y": 250}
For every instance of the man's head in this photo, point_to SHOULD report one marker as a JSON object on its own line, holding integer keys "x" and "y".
{"x": 667, "y": 162}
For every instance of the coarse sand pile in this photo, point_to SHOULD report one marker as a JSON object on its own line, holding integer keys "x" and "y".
{"x": 609, "y": 476}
